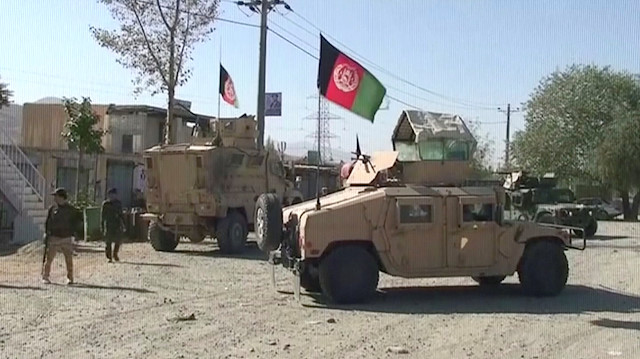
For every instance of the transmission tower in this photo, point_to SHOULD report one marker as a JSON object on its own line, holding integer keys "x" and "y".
{"x": 322, "y": 133}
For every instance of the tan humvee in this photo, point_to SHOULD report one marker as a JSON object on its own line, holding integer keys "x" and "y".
{"x": 408, "y": 213}
{"x": 209, "y": 187}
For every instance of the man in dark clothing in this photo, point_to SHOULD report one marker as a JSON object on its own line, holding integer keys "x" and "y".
{"x": 63, "y": 223}
{"x": 112, "y": 224}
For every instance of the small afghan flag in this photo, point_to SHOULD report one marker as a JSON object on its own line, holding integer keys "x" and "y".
{"x": 345, "y": 82}
{"x": 227, "y": 90}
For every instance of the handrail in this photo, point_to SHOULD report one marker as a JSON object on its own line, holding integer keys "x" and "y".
{"x": 15, "y": 156}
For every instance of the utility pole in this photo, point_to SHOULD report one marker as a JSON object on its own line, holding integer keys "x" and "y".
{"x": 264, "y": 6}
{"x": 507, "y": 164}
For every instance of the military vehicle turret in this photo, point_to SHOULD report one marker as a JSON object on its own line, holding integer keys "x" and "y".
{"x": 410, "y": 213}
{"x": 209, "y": 187}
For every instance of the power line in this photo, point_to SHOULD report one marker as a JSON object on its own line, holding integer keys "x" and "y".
{"x": 293, "y": 35}
{"x": 204, "y": 15}
{"x": 382, "y": 69}
{"x": 294, "y": 44}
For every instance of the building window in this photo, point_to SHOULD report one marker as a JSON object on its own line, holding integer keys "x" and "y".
{"x": 477, "y": 212}
{"x": 415, "y": 213}
{"x": 127, "y": 144}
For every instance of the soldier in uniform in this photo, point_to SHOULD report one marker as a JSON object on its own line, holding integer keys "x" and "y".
{"x": 63, "y": 223}
{"x": 112, "y": 224}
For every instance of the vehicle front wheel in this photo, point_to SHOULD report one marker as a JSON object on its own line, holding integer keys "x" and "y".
{"x": 492, "y": 280}
{"x": 161, "y": 240}
{"x": 543, "y": 269}
{"x": 349, "y": 274}
{"x": 232, "y": 232}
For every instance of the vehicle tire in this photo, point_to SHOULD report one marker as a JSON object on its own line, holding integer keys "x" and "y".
{"x": 196, "y": 236}
{"x": 268, "y": 222}
{"x": 601, "y": 215}
{"x": 310, "y": 282}
{"x": 348, "y": 275}
{"x": 492, "y": 280}
{"x": 543, "y": 269}
{"x": 161, "y": 240}
{"x": 232, "y": 233}
{"x": 590, "y": 229}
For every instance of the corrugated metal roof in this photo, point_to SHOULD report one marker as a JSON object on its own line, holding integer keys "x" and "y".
{"x": 178, "y": 111}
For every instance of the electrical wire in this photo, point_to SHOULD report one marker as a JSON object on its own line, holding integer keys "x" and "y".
{"x": 463, "y": 102}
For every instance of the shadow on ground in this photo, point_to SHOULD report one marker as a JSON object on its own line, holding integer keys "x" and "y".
{"x": 616, "y": 324}
{"x": 8, "y": 249}
{"x": 251, "y": 252}
{"x": 152, "y": 264}
{"x": 9, "y": 286}
{"x": 598, "y": 237}
{"x": 506, "y": 298}
{"x": 95, "y": 286}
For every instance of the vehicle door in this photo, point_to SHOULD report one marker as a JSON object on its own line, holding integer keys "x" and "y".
{"x": 471, "y": 231}
{"x": 417, "y": 236}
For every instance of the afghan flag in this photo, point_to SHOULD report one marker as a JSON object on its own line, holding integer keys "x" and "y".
{"x": 227, "y": 90}
{"x": 345, "y": 82}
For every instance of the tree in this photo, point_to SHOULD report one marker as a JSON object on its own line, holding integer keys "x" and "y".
{"x": 5, "y": 95}
{"x": 480, "y": 161}
{"x": 566, "y": 120}
{"x": 156, "y": 39}
{"x": 80, "y": 132}
{"x": 618, "y": 160}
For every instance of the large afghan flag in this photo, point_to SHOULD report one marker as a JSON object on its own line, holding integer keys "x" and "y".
{"x": 345, "y": 82}
{"x": 227, "y": 90}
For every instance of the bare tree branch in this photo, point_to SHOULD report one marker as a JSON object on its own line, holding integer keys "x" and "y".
{"x": 164, "y": 19}
{"x": 184, "y": 46}
{"x": 146, "y": 40}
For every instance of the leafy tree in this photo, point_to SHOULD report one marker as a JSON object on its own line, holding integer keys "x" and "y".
{"x": 5, "y": 95}
{"x": 80, "y": 132}
{"x": 618, "y": 160}
{"x": 566, "y": 118}
{"x": 480, "y": 162}
{"x": 156, "y": 39}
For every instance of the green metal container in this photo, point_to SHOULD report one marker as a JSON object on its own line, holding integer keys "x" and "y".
{"x": 92, "y": 224}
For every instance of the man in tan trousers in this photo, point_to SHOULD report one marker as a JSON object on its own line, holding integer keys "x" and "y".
{"x": 63, "y": 223}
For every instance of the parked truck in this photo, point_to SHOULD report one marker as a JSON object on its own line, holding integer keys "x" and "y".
{"x": 209, "y": 187}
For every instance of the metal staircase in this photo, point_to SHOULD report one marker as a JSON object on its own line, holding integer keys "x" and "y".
{"x": 25, "y": 188}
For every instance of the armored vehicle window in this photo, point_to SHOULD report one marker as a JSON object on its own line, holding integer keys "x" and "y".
{"x": 431, "y": 150}
{"x": 276, "y": 168}
{"x": 236, "y": 159}
{"x": 438, "y": 150}
{"x": 407, "y": 151}
{"x": 149, "y": 162}
{"x": 255, "y": 161}
{"x": 415, "y": 213}
{"x": 477, "y": 212}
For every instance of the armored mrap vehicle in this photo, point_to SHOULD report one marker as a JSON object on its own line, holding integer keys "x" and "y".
{"x": 209, "y": 187}
{"x": 538, "y": 199}
{"x": 409, "y": 213}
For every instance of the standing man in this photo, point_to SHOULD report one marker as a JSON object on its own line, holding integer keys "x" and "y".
{"x": 112, "y": 224}
{"x": 62, "y": 224}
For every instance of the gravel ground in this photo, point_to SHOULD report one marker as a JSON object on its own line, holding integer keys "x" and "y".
{"x": 197, "y": 303}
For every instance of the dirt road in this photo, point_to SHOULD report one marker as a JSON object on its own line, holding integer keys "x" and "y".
{"x": 196, "y": 303}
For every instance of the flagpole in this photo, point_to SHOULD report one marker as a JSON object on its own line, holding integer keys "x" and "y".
{"x": 319, "y": 155}
{"x": 220, "y": 65}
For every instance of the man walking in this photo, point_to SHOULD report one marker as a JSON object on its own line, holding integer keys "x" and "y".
{"x": 62, "y": 224}
{"x": 112, "y": 224}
